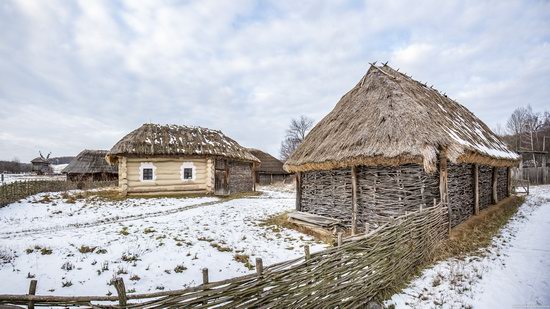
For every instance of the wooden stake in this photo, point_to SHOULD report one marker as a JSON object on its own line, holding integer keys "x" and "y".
{"x": 353, "y": 200}
{"x": 509, "y": 187}
{"x": 259, "y": 266}
{"x": 121, "y": 291}
{"x": 443, "y": 183}
{"x": 205, "y": 276}
{"x": 32, "y": 291}
{"x": 476, "y": 189}
{"x": 339, "y": 239}
{"x": 306, "y": 252}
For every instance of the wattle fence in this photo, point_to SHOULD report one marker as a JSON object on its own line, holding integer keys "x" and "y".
{"x": 366, "y": 267}
{"x": 12, "y": 192}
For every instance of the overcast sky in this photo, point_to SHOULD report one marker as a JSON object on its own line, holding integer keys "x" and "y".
{"x": 82, "y": 74}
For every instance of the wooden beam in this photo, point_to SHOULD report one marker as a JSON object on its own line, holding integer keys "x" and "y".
{"x": 509, "y": 171}
{"x": 443, "y": 183}
{"x": 353, "y": 200}
{"x": 476, "y": 189}
{"x": 494, "y": 180}
{"x": 298, "y": 191}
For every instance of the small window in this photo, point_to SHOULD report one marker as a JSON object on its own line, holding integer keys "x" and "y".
{"x": 187, "y": 173}
{"x": 147, "y": 174}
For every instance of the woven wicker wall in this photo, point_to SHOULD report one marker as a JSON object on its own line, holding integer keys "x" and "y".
{"x": 502, "y": 183}
{"x": 328, "y": 193}
{"x": 461, "y": 192}
{"x": 240, "y": 177}
{"x": 386, "y": 192}
{"x": 485, "y": 186}
{"x": 383, "y": 193}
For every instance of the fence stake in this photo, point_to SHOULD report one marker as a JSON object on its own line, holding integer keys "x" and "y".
{"x": 121, "y": 291}
{"x": 32, "y": 291}
{"x": 306, "y": 251}
{"x": 339, "y": 239}
{"x": 259, "y": 266}
{"x": 205, "y": 276}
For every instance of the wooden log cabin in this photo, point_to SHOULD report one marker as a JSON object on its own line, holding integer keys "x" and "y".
{"x": 393, "y": 145}
{"x": 270, "y": 170}
{"x": 172, "y": 159}
{"x": 90, "y": 165}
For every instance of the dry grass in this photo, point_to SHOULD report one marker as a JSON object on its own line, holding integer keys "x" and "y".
{"x": 478, "y": 231}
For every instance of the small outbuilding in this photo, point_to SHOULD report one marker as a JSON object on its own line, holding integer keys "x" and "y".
{"x": 271, "y": 169}
{"x": 41, "y": 165}
{"x": 174, "y": 159}
{"x": 91, "y": 165}
{"x": 394, "y": 145}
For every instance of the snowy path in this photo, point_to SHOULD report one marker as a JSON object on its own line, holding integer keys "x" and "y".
{"x": 161, "y": 251}
{"x": 515, "y": 273}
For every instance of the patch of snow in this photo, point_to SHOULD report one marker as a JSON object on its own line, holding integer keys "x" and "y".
{"x": 165, "y": 247}
{"x": 513, "y": 272}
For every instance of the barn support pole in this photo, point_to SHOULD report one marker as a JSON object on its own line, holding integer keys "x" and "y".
{"x": 254, "y": 177}
{"x": 298, "y": 191}
{"x": 476, "y": 189}
{"x": 443, "y": 183}
{"x": 123, "y": 175}
{"x": 509, "y": 172}
{"x": 494, "y": 180}
{"x": 353, "y": 200}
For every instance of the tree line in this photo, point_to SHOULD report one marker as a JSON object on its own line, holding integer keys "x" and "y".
{"x": 527, "y": 130}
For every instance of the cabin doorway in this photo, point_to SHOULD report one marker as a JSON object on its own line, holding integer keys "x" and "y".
{"x": 221, "y": 186}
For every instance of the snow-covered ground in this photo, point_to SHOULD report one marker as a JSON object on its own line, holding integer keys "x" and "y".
{"x": 153, "y": 243}
{"x": 514, "y": 272}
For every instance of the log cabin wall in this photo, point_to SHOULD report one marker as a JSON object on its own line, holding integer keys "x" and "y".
{"x": 240, "y": 177}
{"x": 328, "y": 193}
{"x": 485, "y": 186}
{"x": 461, "y": 192}
{"x": 502, "y": 183}
{"x": 167, "y": 176}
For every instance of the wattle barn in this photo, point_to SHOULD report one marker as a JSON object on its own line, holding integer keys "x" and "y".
{"x": 392, "y": 145}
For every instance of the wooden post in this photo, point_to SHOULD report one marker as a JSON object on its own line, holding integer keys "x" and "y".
{"x": 509, "y": 172}
{"x": 254, "y": 177}
{"x": 259, "y": 266}
{"x": 339, "y": 239}
{"x": 443, "y": 183}
{"x": 298, "y": 191}
{"x": 226, "y": 177}
{"x": 123, "y": 175}
{"x": 121, "y": 291}
{"x": 306, "y": 252}
{"x": 495, "y": 196}
{"x": 205, "y": 276}
{"x": 32, "y": 291}
{"x": 353, "y": 200}
{"x": 476, "y": 189}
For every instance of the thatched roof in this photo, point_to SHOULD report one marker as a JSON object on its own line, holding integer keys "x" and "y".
{"x": 40, "y": 160}
{"x": 90, "y": 162}
{"x": 390, "y": 119}
{"x": 174, "y": 140}
{"x": 269, "y": 164}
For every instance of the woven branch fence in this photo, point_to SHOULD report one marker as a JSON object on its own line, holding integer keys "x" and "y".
{"x": 366, "y": 267}
{"x": 15, "y": 191}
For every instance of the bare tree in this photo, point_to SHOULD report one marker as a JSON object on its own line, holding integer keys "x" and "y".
{"x": 516, "y": 124}
{"x": 295, "y": 135}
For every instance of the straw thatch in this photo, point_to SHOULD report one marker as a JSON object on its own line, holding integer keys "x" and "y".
{"x": 175, "y": 140}
{"x": 269, "y": 164}
{"x": 390, "y": 119}
{"x": 90, "y": 162}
